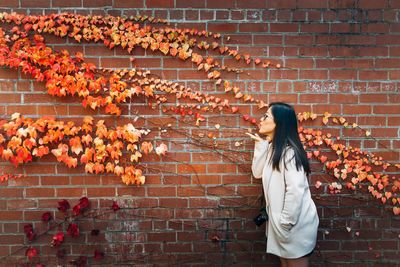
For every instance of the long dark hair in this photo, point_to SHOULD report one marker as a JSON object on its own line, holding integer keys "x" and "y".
{"x": 286, "y": 134}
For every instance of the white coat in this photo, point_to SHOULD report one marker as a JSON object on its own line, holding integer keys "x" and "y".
{"x": 293, "y": 220}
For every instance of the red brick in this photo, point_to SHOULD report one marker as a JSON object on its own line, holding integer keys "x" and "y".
{"x": 220, "y": 191}
{"x": 289, "y": 98}
{"x": 312, "y": 4}
{"x": 357, "y": 109}
{"x": 387, "y": 63}
{"x": 8, "y": 74}
{"x": 370, "y": 4}
{"x": 206, "y": 179}
{"x": 385, "y": 132}
{"x": 38, "y": 98}
{"x": 368, "y": 120}
{"x": 360, "y": 40}
{"x": 10, "y": 216}
{"x": 343, "y": 98}
{"x": 342, "y": 4}
{"x": 283, "y": 27}
{"x": 209, "y": 14}
{"x": 252, "y": 4}
{"x": 159, "y": 213}
{"x": 387, "y": 109}
{"x": 192, "y": 15}
{"x": 101, "y": 192}
{"x": 11, "y": 239}
{"x": 281, "y": 4}
{"x": 300, "y": 63}
{"x": 114, "y": 62}
{"x": 270, "y": 39}
{"x": 161, "y": 191}
{"x": 345, "y": 28}
{"x": 313, "y": 98}
{"x": 314, "y": 74}
{"x": 61, "y": 3}
{"x": 373, "y": 75}
{"x": 132, "y": 191}
{"x": 173, "y": 203}
{"x": 10, "y": 3}
{"x": 96, "y": 3}
{"x": 11, "y": 192}
{"x": 373, "y": 51}
{"x": 55, "y": 110}
{"x": 190, "y": 3}
{"x": 222, "y": 27}
{"x": 40, "y": 192}
{"x": 202, "y": 203}
{"x": 10, "y": 98}
{"x": 373, "y": 98}
{"x": 226, "y": 4}
{"x": 21, "y": 204}
{"x": 38, "y": 3}
{"x": 181, "y": 247}
{"x": 359, "y": 63}
{"x": 313, "y": 51}
{"x": 161, "y": 237}
{"x": 190, "y": 191}
{"x": 249, "y": 190}
{"x": 375, "y": 28}
{"x": 129, "y": 4}
{"x": 253, "y": 27}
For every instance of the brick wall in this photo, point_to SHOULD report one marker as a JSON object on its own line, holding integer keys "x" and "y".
{"x": 197, "y": 205}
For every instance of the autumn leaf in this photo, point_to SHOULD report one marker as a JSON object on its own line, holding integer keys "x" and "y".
{"x": 234, "y": 109}
{"x": 146, "y": 147}
{"x": 71, "y": 162}
{"x": 161, "y": 149}
{"x": 76, "y": 145}
{"x": 136, "y": 156}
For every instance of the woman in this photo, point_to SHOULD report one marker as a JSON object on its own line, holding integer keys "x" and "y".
{"x": 281, "y": 162}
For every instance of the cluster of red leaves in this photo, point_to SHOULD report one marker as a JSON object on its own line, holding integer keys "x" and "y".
{"x": 96, "y": 147}
{"x": 77, "y": 212}
{"x": 121, "y": 31}
{"x": 66, "y": 76}
{"x": 351, "y": 166}
{"x": 8, "y": 176}
{"x": 29, "y": 232}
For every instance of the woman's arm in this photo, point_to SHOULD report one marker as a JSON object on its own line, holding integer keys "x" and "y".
{"x": 295, "y": 187}
{"x": 259, "y": 158}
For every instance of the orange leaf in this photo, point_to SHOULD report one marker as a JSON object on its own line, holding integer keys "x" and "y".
{"x": 146, "y": 147}
{"x": 76, "y": 145}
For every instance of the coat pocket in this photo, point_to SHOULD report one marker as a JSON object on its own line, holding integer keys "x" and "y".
{"x": 282, "y": 231}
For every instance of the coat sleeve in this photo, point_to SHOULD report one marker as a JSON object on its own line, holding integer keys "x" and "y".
{"x": 295, "y": 182}
{"x": 259, "y": 158}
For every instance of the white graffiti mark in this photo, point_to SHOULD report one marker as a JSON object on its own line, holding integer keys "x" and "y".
{"x": 322, "y": 87}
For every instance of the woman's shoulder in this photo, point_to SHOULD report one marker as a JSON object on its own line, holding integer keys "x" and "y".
{"x": 288, "y": 151}
{"x": 288, "y": 155}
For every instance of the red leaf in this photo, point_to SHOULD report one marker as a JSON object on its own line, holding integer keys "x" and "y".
{"x": 46, "y": 217}
{"x": 98, "y": 255}
{"x": 73, "y": 230}
{"x": 63, "y": 205}
{"x": 31, "y": 252}
{"x": 57, "y": 239}
{"x": 115, "y": 206}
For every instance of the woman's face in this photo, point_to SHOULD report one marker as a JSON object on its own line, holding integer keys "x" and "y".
{"x": 267, "y": 124}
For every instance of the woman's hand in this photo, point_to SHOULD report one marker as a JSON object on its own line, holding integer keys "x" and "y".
{"x": 255, "y": 137}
